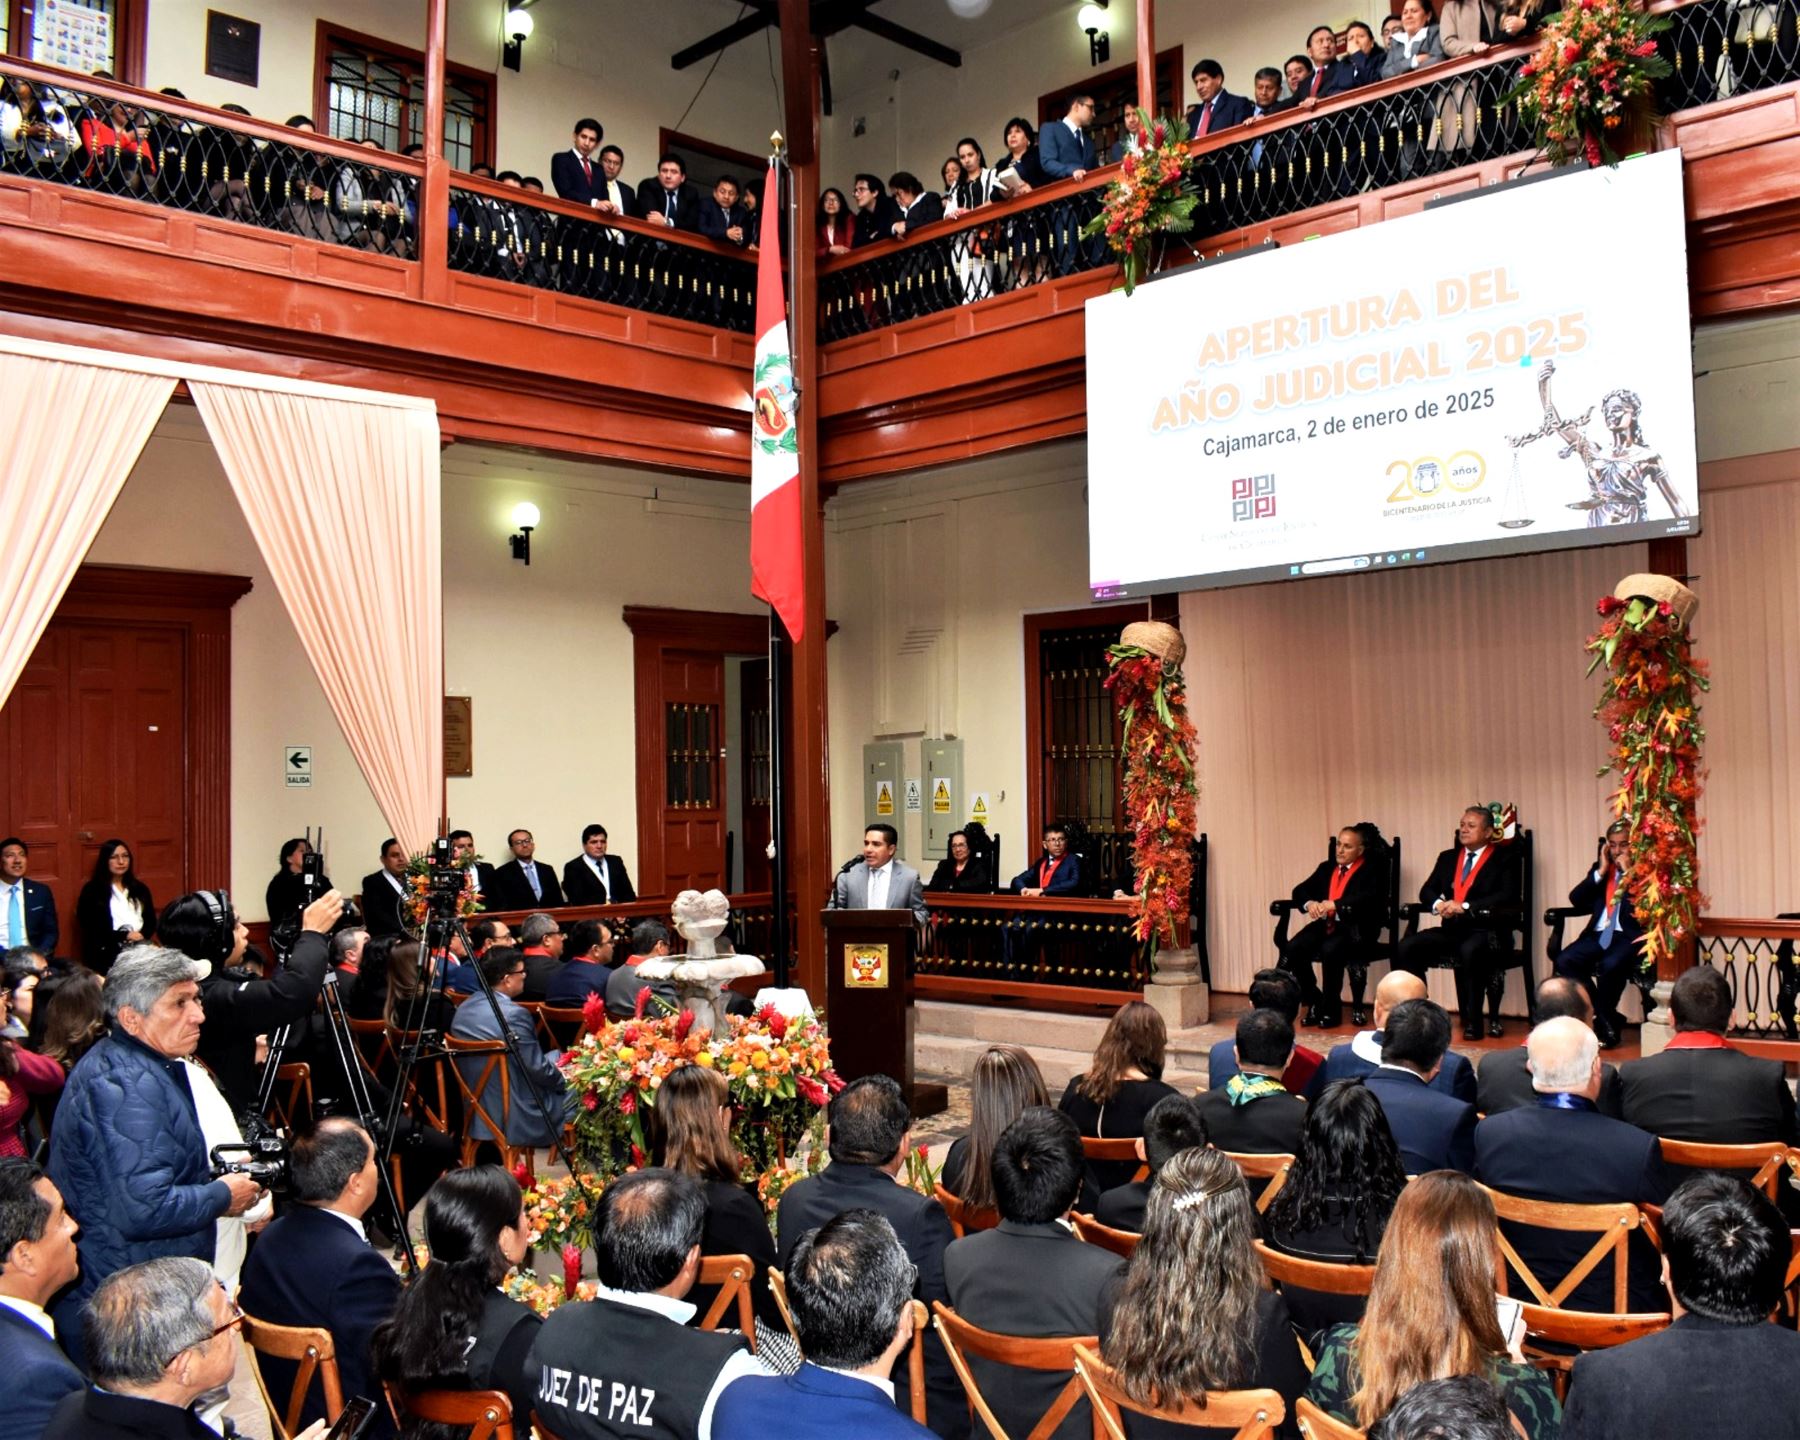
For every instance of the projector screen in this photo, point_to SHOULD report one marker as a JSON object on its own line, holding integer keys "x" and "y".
{"x": 1504, "y": 374}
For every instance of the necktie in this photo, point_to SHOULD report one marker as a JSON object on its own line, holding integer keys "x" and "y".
{"x": 600, "y": 870}
{"x": 1205, "y": 118}
{"x": 1080, "y": 142}
{"x": 587, "y": 170}
{"x": 530, "y": 870}
{"x": 15, "y": 916}
{"x": 1318, "y": 80}
{"x": 669, "y": 204}
{"x": 1468, "y": 863}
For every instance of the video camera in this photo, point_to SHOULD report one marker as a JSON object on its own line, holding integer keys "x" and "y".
{"x": 262, "y": 1154}
{"x": 444, "y": 880}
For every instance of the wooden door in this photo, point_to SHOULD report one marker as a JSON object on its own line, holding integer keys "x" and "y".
{"x": 693, "y": 807}
{"x": 753, "y": 706}
{"x": 96, "y": 745}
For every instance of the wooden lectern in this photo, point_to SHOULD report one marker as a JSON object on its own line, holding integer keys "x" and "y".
{"x": 869, "y": 1000}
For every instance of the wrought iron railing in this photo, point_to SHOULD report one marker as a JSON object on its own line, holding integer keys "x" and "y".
{"x": 1071, "y": 944}
{"x": 1723, "y": 48}
{"x": 1756, "y": 958}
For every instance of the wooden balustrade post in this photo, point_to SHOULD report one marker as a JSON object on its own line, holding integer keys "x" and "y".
{"x": 1146, "y": 58}
{"x": 433, "y": 221}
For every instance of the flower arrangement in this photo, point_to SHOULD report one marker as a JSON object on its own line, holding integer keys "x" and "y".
{"x": 1160, "y": 789}
{"x": 1592, "y": 78}
{"x": 544, "y": 1296}
{"x": 778, "y": 1072}
{"x": 1651, "y": 710}
{"x": 558, "y": 1208}
{"x": 921, "y": 1175}
{"x": 1153, "y": 194}
{"x": 418, "y": 887}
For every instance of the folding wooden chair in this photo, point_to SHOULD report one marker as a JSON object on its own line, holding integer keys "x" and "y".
{"x": 493, "y": 1061}
{"x": 1764, "y": 1165}
{"x": 313, "y": 1353}
{"x": 1120, "y": 1242}
{"x": 425, "y": 1082}
{"x": 964, "y": 1218}
{"x": 486, "y": 1413}
{"x": 1255, "y": 1413}
{"x": 778, "y": 1288}
{"x": 372, "y": 1050}
{"x": 1316, "y": 1424}
{"x": 731, "y": 1273}
{"x": 1055, "y": 1354}
{"x": 915, "y": 1353}
{"x": 1096, "y": 1147}
{"x": 1272, "y": 1168}
{"x": 1584, "y": 1331}
{"x": 284, "y": 1113}
{"x": 1325, "y": 1276}
{"x": 561, "y": 1025}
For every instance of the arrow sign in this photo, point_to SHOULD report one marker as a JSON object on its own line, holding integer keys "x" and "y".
{"x": 296, "y": 767}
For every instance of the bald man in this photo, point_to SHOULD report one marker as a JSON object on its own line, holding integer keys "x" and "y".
{"x": 1562, "y": 1149}
{"x": 1362, "y": 1055}
{"x": 1503, "y": 1077}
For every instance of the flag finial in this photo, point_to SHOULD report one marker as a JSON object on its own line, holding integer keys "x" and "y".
{"x": 777, "y": 142}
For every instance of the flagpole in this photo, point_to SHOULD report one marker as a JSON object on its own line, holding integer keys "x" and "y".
{"x": 778, "y": 930}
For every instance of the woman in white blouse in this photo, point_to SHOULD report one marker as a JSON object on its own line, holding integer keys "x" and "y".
{"x": 115, "y": 908}
{"x": 1415, "y": 43}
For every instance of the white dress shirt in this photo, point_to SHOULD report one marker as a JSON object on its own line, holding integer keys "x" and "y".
{"x": 599, "y": 868}
{"x": 878, "y": 885}
{"x": 126, "y": 915}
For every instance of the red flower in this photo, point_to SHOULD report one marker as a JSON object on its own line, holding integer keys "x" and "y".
{"x": 778, "y": 1025}
{"x": 1646, "y": 49}
{"x": 810, "y": 1090}
{"x": 628, "y": 1103}
{"x": 571, "y": 1258}
{"x": 683, "y": 1023}
{"x": 834, "y": 1082}
{"x": 637, "y": 1158}
{"x": 591, "y": 1101}
{"x": 643, "y": 999}
{"x": 593, "y": 1013}
{"x": 1663, "y": 607}
{"x": 521, "y": 1173}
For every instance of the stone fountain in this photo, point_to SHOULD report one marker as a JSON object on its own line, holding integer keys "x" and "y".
{"x": 700, "y": 975}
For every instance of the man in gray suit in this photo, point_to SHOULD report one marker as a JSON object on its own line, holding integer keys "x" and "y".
{"x": 879, "y": 881}
{"x": 525, "y": 1122}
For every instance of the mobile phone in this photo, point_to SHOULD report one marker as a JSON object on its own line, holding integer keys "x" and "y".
{"x": 354, "y": 1421}
{"x": 1509, "y": 1311}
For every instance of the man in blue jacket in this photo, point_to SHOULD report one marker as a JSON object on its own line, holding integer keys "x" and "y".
{"x": 27, "y": 908}
{"x": 37, "y": 1258}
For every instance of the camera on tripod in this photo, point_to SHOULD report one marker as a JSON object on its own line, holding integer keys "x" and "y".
{"x": 263, "y": 1155}
{"x": 444, "y": 880}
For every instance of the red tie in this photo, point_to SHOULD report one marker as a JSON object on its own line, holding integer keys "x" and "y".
{"x": 587, "y": 170}
{"x": 1205, "y": 118}
{"x": 1318, "y": 79}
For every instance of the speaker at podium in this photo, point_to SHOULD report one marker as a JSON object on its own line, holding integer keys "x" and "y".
{"x": 869, "y": 1000}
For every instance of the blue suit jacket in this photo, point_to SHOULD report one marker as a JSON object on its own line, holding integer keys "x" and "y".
{"x": 525, "y": 1123}
{"x": 1434, "y": 1131}
{"x": 41, "y": 928}
{"x": 1455, "y": 1078}
{"x": 1058, "y": 153}
{"x": 38, "y": 1376}
{"x": 811, "y": 1404}
{"x": 1227, "y": 110}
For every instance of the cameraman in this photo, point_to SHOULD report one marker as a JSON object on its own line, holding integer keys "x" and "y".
{"x": 240, "y": 1004}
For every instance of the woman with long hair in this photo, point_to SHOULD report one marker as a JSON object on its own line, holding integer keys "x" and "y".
{"x": 114, "y": 908}
{"x": 1112, "y": 1097}
{"x": 69, "y": 1017}
{"x": 1006, "y": 1082}
{"x": 1193, "y": 1311}
{"x": 690, "y": 1129}
{"x": 286, "y": 893}
{"x": 23, "y": 1074}
{"x": 366, "y": 998}
{"x": 1338, "y": 1196}
{"x": 835, "y": 223}
{"x": 453, "y": 1329}
{"x": 405, "y": 1008}
{"x": 1431, "y": 1314}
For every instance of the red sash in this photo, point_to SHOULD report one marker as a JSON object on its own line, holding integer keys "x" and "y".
{"x": 1340, "y": 881}
{"x": 1047, "y": 872}
{"x": 1460, "y": 887}
{"x": 1612, "y": 887}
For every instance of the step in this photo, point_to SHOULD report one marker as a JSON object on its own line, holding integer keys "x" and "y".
{"x": 1003, "y": 1025}
{"x": 956, "y": 1055}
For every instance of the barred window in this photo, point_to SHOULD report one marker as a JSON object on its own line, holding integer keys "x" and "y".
{"x": 376, "y": 91}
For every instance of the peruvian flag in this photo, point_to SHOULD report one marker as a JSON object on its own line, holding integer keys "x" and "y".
{"x": 775, "y": 557}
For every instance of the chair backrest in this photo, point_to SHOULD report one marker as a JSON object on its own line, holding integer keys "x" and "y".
{"x": 486, "y": 1413}
{"x": 426, "y": 1069}
{"x": 1120, "y": 1242}
{"x": 495, "y": 1051}
{"x": 284, "y": 1113}
{"x": 1316, "y": 1424}
{"x": 915, "y": 1358}
{"x": 1273, "y": 1168}
{"x": 372, "y": 1047}
{"x": 313, "y": 1352}
{"x": 732, "y": 1274}
{"x": 561, "y": 1025}
{"x": 1321, "y": 1275}
{"x": 1055, "y": 1354}
{"x": 1096, "y": 1147}
{"x": 1610, "y": 1224}
{"x": 964, "y": 1218}
{"x": 1768, "y": 1160}
{"x": 1255, "y": 1413}
{"x": 1556, "y": 1339}
{"x": 778, "y": 1288}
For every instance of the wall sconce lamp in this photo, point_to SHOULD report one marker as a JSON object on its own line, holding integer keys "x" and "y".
{"x": 518, "y": 31}
{"x": 1092, "y": 18}
{"x": 525, "y": 516}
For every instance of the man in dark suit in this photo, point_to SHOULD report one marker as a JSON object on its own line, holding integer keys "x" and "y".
{"x": 1362, "y": 54}
{"x": 614, "y": 196}
{"x": 879, "y": 881}
{"x": 524, "y": 882}
{"x": 314, "y": 1264}
{"x": 1469, "y": 889}
{"x": 1562, "y": 1149}
{"x": 1055, "y": 872}
{"x": 541, "y": 947}
{"x": 1503, "y": 1079}
{"x": 27, "y": 908}
{"x": 1297, "y": 71}
{"x": 870, "y": 1132}
{"x": 1216, "y": 107}
{"x": 1270, "y": 989}
{"x": 1330, "y": 76}
{"x": 595, "y": 878}
{"x": 587, "y": 966}
{"x": 462, "y": 852}
{"x": 1362, "y": 1056}
{"x": 1031, "y": 1275}
{"x": 1174, "y": 1124}
{"x": 1609, "y": 951}
{"x": 722, "y": 218}
{"x": 665, "y": 198}
{"x": 37, "y": 1259}
{"x": 1701, "y": 1089}
{"x": 1341, "y": 903}
{"x": 1721, "y": 1368}
{"x": 1066, "y": 146}
{"x": 536, "y": 1086}
{"x": 1253, "y": 1113}
{"x": 876, "y": 212}
{"x": 1434, "y": 1131}
{"x": 575, "y": 172}
{"x": 383, "y": 890}
{"x": 849, "y": 1288}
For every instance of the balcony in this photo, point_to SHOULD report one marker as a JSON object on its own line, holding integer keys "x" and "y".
{"x": 532, "y": 322}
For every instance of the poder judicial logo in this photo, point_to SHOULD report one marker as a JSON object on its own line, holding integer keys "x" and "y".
{"x": 1252, "y": 498}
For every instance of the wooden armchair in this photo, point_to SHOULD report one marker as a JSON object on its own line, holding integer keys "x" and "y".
{"x": 964, "y": 1218}
{"x": 314, "y": 1355}
{"x": 1510, "y": 922}
{"x": 1377, "y": 924}
{"x": 732, "y": 1274}
{"x": 1095, "y": 1147}
{"x": 1055, "y": 1354}
{"x": 1272, "y": 1168}
{"x": 1255, "y": 1413}
{"x": 487, "y": 1414}
{"x": 560, "y": 1025}
{"x": 1120, "y": 1242}
{"x": 492, "y": 1054}
{"x": 284, "y": 1106}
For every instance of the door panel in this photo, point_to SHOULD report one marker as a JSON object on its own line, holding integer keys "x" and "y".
{"x": 754, "y": 709}
{"x": 693, "y": 810}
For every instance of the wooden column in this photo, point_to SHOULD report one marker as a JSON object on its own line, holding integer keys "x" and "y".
{"x": 434, "y": 197}
{"x": 1146, "y": 58}
{"x": 810, "y": 869}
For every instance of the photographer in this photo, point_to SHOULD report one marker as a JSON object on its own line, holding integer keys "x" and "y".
{"x": 240, "y": 1004}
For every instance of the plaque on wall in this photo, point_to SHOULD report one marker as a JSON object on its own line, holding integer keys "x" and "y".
{"x": 459, "y": 735}
{"x": 233, "y": 47}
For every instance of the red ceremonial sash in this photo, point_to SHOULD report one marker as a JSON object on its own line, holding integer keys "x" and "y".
{"x": 1460, "y": 887}
{"x": 1612, "y": 886}
{"x": 1047, "y": 872}
{"x": 1340, "y": 881}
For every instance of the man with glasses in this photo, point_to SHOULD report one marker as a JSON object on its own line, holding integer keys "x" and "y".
{"x": 876, "y": 212}
{"x": 536, "y": 1087}
{"x": 525, "y": 882}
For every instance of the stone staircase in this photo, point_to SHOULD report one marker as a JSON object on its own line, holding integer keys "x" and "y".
{"x": 950, "y": 1036}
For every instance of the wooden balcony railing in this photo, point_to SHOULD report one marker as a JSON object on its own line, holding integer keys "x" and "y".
{"x": 1757, "y": 959}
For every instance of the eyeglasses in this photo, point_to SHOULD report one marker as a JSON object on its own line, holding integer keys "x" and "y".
{"x": 237, "y": 1319}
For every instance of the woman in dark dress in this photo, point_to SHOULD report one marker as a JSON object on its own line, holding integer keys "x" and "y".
{"x": 453, "y": 1328}
{"x": 690, "y": 1129}
{"x": 1337, "y": 1199}
{"x": 961, "y": 871}
{"x": 1192, "y": 1311}
{"x": 1123, "y": 1082}
{"x": 114, "y": 908}
{"x": 1006, "y": 1082}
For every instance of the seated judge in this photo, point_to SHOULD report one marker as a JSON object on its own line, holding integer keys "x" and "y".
{"x": 1362, "y": 1055}
{"x": 1341, "y": 903}
{"x": 1478, "y": 876}
{"x": 1503, "y": 1079}
{"x": 1056, "y": 872}
{"x": 879, "y": 881}
{"x": 524, "y": 882}
{"x": 1608, "y": 952}
{"x": 961, "y": 871}
{"x": 1434, "y": 1131}
{"x": 1253, "y": 1113}
{"x": 1174, "y": 1124}
{"x": 595, "y": 878}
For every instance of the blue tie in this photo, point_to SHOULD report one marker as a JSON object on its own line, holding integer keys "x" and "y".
{"x": 15, "y": 916}
{"x": 530, "y": 868}
{"x": 1468, "y": 863}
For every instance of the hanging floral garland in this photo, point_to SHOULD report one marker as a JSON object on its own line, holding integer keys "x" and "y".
{"x": 1160, "y": 788}
{"x": 1650, "y": 706}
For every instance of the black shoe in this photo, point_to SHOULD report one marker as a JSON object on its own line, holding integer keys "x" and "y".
{"x": 1332, "y": 1018}
{"x": 1472, "y": 1031}
{"x": 1359, "y": 1017}
{"x": 1495, "y": 1029}
{"x": 1312, "y": 1017}
{"x": 1607, "y": 1031}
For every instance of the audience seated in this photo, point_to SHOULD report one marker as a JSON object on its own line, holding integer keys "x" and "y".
{"x": 541, "y": 946}
{"x": 1004, "y": 1083}
{"x": 1434, "y": 1131}
{"x": 460, "y": 975}
{"x": 24, "y": 1074}
{"x": 868, "y": 1135}
{"x": 37, "y": 1259}
{"x": 648, "y": 938}
{"x": 413, "y": 1003}
{"x": 849, "y": 1286}
{"x": 632, "y": 1344}
{"x": 1111, "y": 1099}
{"x": 1174, "y": 1124}
{"x": 1361, "y": 1056}
{"x": 1417, "y": 42}
{"x": 1192, "y": 1311}
{"x": 1055, "y": 872}
{"x": 452, "y": 1328}
{"x": 587, "y": 966}
{"x": 1721, "y": 1368}
{"x": 1563, "y": 1149}
{"x": 1253, "y": 1113}
{"x": 524, "y": 882}
{"x": 537, "y": 1085}
{"x": 1503, "y": 1080}
{"x": 1699, "y": 1088}
{"x": 1270, "y": 989}
{"x": 314, "y": 1265}
{"x": 1431, "y": 1314}
{"x": 68, "y": 1017}
{"x": 1464, "y": 1406}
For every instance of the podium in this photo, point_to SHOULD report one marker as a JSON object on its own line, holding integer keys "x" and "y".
{"x": 869, "y": 1000}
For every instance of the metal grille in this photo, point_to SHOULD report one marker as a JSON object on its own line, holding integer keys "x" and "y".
{"x": 693, "y": 763}
{"x": 1764, "y": 985}
{"x": 382, "y": 98}
{"x": 1066, "y": 946}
